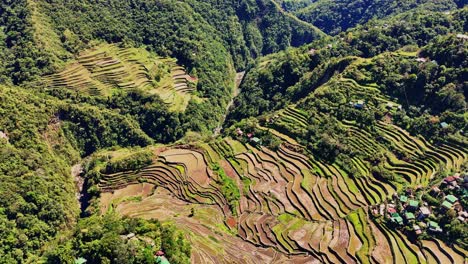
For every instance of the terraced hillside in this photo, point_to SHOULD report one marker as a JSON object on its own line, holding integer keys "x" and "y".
{"x": 107, "y": 69}
{"x": 314, "y": 178}
{"x": 361, "y": 116}
{"x": 287, "y": 201}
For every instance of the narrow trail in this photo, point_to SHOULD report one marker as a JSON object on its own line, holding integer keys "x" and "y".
{"x": 76, "y": 171}
{"x": 238, "y": 81}
{"x": 81, "y": 184}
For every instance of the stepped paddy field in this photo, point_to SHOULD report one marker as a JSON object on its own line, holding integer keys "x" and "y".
{"x": 252, "y": 131}
{"x": 280, "y": 205}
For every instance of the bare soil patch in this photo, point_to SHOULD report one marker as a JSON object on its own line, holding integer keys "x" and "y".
{"x": 193, "y": 161}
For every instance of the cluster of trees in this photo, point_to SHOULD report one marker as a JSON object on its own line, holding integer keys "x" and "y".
{"x": 21, "y": 59}
{"x": 288, "y": 76}
{"x": 254, "y": 28}
{"x": 102, "y": 239}
{"x": 432, "y": 92}
{"x": 412, "y": 28}
{"x": 228, "y": 188}
{"x": 37, "y": 193}
{"x": 136, "y": 160}
{"x": 210, "y": 38}
{"x": 334, "y": 17}
{"x": 45, "y": 136}
{"x": 90, "y": 128}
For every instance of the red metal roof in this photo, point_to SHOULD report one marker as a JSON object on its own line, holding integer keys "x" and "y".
{"x": 450, "y": 179}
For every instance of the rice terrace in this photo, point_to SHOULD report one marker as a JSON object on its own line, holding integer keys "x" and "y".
{"x": 248, "y": 131}
{"x": 283, "y": 200}
{"x": 108, "y": 68}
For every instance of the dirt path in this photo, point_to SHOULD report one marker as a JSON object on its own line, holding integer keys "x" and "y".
{"x": 76, "y": 171}
{"x": 238, "y": 81}
{"x": 80, "y": 193}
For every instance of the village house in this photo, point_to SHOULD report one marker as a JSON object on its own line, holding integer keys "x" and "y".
{"x": 255, "y": 141}
{"x": 451, "y": 199}
{"x": 412, "y": 205}
{"x": 462, "y": 216}
{"x": 409, "y": 216}
{"x": 391, "y": 210}
{"x": 80, "y": 260}
{"x": 435, "y": 191}
{"x": 424, "y": 212}
{"x": 403, "y": 199}
{"x": 434, "y": 227}
{"x": 462, "y": 36}
{"x": 381, "y": 209}
{"x": 447, "y": 205}
{"x": 413, "y": 212}
{"x": 451, "y": 182}
{"x": 421, "y": 60}
{"x": 449, "y": 179}
{"x": 359, "y": 104}
{"x": 160, "y": 258}
{"x": 396, "y": 218}
{"x": 417, "y": 229}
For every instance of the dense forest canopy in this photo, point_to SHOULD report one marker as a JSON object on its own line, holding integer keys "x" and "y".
{"x": 47, "y": 134}
{"x": 337, "y": 16}
{"x": 284, "y": 77}
{"x": 65, "y": 108}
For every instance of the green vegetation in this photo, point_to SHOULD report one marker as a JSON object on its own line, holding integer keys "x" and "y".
{"x": 37, "y": 201}
{"x": 334, "y": 17}
{"x": 356, "y": 218}
{"x": 228, "y": 187}
{"x": 111, "y": 239}
{"x": 133, "y": 161}
{"x": 99, "y": 95}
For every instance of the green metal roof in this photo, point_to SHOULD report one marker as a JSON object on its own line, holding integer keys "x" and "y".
{"x": 413, "y": 203}
{"x": 403, "y": 199}
{"x": 451, "y": 198}
{"x": 447, "y": 204}
{"x": 397, "y": 219}
{"x": 162, "y": 260}
{"x": 256, "y": 139}
{"x": 80, "y": 261}
{"x": 409, "y": 216}
{"x": 433, "y": 224}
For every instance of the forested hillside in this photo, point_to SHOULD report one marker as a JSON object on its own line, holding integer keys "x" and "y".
{"x": 338, "y": 16}
{"x": 189, "y": 131}
{"x": 52, "y": 123}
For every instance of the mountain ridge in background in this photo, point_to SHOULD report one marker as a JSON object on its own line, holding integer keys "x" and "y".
{"x": 111, "y": 147}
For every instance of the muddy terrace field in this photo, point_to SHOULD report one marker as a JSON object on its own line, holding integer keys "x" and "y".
{"x": 290, "y": 207}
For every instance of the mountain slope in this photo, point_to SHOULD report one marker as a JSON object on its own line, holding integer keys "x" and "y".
{"x": 110, "y": 106}
{"x": 337, "y": 16}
